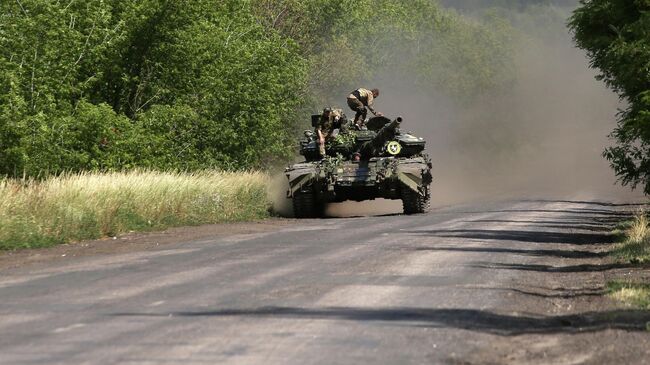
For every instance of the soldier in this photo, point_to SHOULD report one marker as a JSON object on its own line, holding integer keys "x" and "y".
{"x": 329, "y": 120}
{"x": 358, "y": 101}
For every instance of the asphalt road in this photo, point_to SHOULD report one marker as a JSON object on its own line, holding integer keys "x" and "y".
{"x": 508, "y": 282}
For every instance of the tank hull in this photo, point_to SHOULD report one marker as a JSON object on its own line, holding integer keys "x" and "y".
{"x": 314, "y": 184}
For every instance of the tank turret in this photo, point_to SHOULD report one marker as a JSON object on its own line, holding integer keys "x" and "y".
{"x": 375, "y": 147}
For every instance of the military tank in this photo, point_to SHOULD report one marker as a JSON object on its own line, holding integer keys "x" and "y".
{"x": 381, "y": 161}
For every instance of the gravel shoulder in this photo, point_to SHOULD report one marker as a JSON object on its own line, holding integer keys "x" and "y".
{"x": 134, "y": 242}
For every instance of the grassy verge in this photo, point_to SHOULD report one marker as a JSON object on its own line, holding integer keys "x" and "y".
{"x": 634, "y": 248}
{"x": 635, "y": 245}
{"x": 86, "y": 206}
{"x": 634, "y": 294}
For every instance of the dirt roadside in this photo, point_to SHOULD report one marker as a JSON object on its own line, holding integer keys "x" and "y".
{"x": 134, "y": 242}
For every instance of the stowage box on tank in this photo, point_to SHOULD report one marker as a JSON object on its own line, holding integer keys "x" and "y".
{"x": 380, "y": 162}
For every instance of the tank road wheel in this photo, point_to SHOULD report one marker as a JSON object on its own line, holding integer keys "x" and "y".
{"x": 415, "y": 203}
{"x": 305, "y": 205}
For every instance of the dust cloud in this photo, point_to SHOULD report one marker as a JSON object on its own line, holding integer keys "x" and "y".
{"x": 277, "y": 193}
{"x": 541, "y": 139}
{"x": 281, "y": 205}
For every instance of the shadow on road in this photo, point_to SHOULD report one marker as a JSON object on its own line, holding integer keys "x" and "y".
{"x": 565, "y": 254}
{"x": 467, "y": 319}
{"x": 582, "y": 211}
{"x": 604, "y": 204}
{"x": 581, "y": 224}
{"x": 548, "y": 268}
{"x": 523, "y": 236}
{"x": 557, "y": 293}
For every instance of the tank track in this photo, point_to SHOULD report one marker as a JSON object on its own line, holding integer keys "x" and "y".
{"x": 305, "y": 205}
{"x": 414, "y": 203}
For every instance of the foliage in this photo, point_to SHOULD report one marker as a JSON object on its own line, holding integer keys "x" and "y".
{"x": 344, "y": 139}
{"x": 74, "y": 207}
{"x": 84, "y": 84}
{"x": 104, "y": 85}
{"x": 635, "y": 245}
{"x": 509, "y": 4}
{"x": 615, "y": 35}
{"x": 93, "y": 138}
{"x": 354, "y": 42}
{"x": 637, "y": 294}
{"x": 634, "y": 248}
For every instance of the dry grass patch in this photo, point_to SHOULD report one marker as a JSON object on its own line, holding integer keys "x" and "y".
{"x": 85, "y": 206}
{"x": 635, "y": 247}
{"x": 630, "y": 293}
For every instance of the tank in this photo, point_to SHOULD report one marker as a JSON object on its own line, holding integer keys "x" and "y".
{"x": 380, "y": 162}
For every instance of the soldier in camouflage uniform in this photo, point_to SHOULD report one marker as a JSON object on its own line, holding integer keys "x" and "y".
{"x": 360, "y": 101}
{"x": 330, "y": 119}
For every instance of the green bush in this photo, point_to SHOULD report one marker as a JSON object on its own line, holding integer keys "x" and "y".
{"x": 93, "y": 138}
{"x": 169, "y": 84}
{"x": 82, "y": 83}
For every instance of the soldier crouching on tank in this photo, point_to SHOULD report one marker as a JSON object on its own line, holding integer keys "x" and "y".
{"x": 330, "y": 119}
{"x": 360, "y": 101}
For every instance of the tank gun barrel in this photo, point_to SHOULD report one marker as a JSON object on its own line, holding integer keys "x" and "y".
{"x": 385, "y": 134}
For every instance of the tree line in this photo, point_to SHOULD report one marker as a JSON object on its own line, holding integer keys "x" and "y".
{"x": 510, "y": 4}
{"x": 187, "y": 85}
{"x": 615, "y": 34}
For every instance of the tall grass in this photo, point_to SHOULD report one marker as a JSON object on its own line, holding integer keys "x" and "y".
{"x": 636, "y": 245}
{"x": 84, "y": 206}
{"x": 634, "y": 248}
{"x": 637, "y": 294}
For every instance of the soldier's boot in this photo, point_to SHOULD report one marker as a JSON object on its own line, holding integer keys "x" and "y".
{"x": 360, "y": 119}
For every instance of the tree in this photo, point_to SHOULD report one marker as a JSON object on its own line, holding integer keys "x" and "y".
{"x": 616, "y": 36}
{"x": 352, "y": 42}
{"x": 201, "y": 84}
{"x": 516, "y": 4}
{"x": 175, "y": 84}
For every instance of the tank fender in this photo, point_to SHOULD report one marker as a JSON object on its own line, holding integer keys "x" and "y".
{"x": 416, "y": 176}
{"x": 299, "y": 177}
